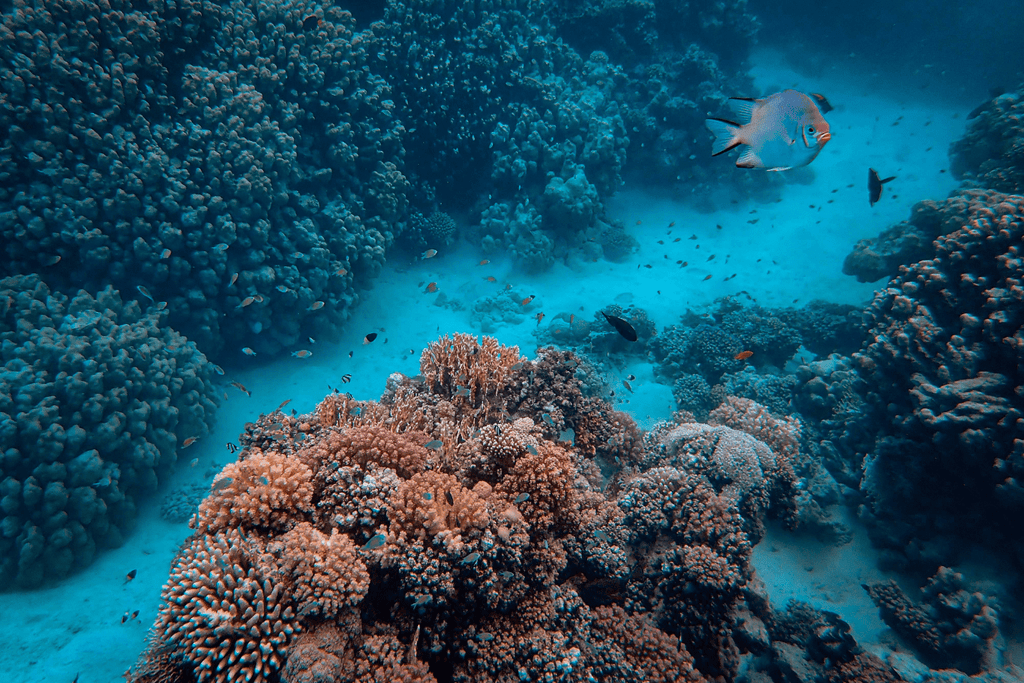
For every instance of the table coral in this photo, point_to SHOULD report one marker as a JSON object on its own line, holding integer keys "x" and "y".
{"x": 96, "y": 398}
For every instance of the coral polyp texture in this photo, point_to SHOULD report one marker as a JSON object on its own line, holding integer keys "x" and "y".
{"x": 945, "y": 454}
{"x": 95, "y": 399}
{"x": 449, "y": 532}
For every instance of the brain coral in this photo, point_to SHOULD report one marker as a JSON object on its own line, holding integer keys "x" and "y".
{"x": 95, "y": 398}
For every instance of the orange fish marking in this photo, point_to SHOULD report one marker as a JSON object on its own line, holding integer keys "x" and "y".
{"x": 491, "y": 278}
{"x": 189, "y": 441}
{"x": 484, "y": 262}
{"x": 743, "y": 355}
{"x": 540, "y": 316}
{"x": 431, "y": 288}
{"x": 527, "y": 300}
{"x": 707, "y": 278}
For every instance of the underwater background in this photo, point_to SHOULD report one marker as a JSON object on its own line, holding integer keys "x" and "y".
{"x": 427, "y": 341}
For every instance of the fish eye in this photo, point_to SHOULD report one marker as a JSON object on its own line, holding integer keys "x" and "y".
{"x": 810, "y": 129}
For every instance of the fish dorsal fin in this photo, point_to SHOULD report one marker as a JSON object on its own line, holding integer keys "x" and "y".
{"x": 744, "y": 108}
{"x": 749, "y": 159}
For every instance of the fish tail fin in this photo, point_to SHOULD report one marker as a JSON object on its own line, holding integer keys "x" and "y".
{"x": 886, "y": 180}
{"x": 726, "y": 135}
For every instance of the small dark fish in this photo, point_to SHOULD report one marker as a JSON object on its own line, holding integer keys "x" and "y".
{"x": 621, "y": 326}
{"x": 369, "y": 338}
{"x": 631, "y": 377}
{"x": 52, "y": 260}
{"x": 311, "y": 22}
{"x": 448, "y": 497}
{"x": 145, "y": 292}
{"x": 124, "y": 617}
{"x": 76, "y": 678}
{"x": 707, "y": 278}
{"x": 823, "y": 105}
{"x": 284, "y": 404}
{"x": 232, "y": 448}
{"x": 875, "y": 185}
{"x": 350, "y": 353}
{"x": 693, "y": 237}
{"x": 345, "y": 379}
{"x": 131, "y": 575}
{"x": 134, "y": 615}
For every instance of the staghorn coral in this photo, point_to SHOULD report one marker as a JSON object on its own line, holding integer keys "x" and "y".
{"x": 626, "y": 648}
{"x": 264, "y": 491}
{"x": 221, "y": 615}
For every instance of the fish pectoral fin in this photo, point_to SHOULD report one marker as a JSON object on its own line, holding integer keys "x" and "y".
{"x": 749, "y": 160}
{"x": 744, "y": 108}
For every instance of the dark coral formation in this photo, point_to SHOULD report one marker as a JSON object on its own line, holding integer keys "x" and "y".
{"x": 954, "y": 628}
{"x": 95, "y": 399}
{"x": 239, "y": 180}
{"x": 942, "y": 454}
{"x": 460, "y": 528}
{"x": 991, "y": 154}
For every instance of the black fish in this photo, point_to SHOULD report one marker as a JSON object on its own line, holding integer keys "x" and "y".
{"x": 369, "y": 338}
{"x": 823, "y": 105}
{"x": 875, "y": 185}
{"x": 310, "y": 22}
{"x": 448, "y": 497}
{"x": 345, "y": 379}
{"x": 621, "y": 326}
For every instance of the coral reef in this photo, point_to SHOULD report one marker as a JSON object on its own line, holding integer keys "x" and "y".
{"x": 96, "y": 398}
{"x": 161, "y": 147}
{"x": 943, "y": 393}
{"x": 955, "y": 628}
{"x": 454, "y": 530}
{"x": 991, "y": 154}
{"x": 451, "y": 526}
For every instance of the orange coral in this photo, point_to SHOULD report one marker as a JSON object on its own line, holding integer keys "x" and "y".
{"x": 541, "y": 485}
{"x": 362, "y": 445}
{"x": 435, "y": 504}
{"x": 482, "y": 368}
{"x": 265, "y": 490}
{"x": 221, "y": 615}
{"x": 385, "y": 660}
{"x": 324, "y": 573}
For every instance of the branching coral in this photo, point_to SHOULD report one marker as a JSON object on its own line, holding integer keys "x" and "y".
{"x": 221, "y": 614}
{"x": 266, "y": 490}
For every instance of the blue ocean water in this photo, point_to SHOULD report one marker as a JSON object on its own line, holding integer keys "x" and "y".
{"x": 430, "y": 341}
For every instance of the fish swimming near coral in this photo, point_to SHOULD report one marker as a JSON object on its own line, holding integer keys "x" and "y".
{"x": 302, "y": 354}
{"x": 429, "y": 253}
{"x": 145, "y": 292}
{"x": 782, "y": 131}
{"x": 743, "y": 355}
{"x": 621, "y": 326}
{"x": 875, "y": 185}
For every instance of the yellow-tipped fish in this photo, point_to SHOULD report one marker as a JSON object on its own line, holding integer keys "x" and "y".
{"x": 783, "y": 131}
